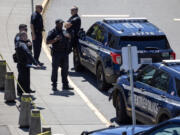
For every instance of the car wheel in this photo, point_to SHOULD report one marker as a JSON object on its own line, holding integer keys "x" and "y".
{"x": 163, "y": 118}
{"x": 120, "y": 109}
{"x": 76, "y": 61}
{"x": 114, "y": 97}
{"x": 101, "y": 82}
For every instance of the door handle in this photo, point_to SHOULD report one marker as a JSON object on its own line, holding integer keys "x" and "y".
{"x": 142, "y": 89}
{"x": 163, "y": 96}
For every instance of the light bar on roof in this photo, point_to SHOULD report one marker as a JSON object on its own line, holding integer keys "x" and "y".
{"x": 104, "y": 16}
{"x": 125, "y": 19}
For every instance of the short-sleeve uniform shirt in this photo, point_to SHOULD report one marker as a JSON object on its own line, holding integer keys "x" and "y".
{"x": 37, "y": 21}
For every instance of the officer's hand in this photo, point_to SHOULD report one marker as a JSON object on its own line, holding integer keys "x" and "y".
{"x": 29, "y": 44}
{"x": 40, "y": 67}
{"x": 67, "y": 25}
{"x": 57, "y": 38}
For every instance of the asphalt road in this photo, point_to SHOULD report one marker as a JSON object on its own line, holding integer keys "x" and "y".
{"x": 159, "y": 12}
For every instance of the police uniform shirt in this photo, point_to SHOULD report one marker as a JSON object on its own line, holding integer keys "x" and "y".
{"x": 76, "y": 24}
{"x": 37, "y": 21}
{"x": 17, "y": 39}
{"x": 62, "y": 44}
{"x": 24, "y": 54}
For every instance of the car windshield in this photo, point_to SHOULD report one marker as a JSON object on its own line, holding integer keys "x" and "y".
{"x": 145, "y": 42}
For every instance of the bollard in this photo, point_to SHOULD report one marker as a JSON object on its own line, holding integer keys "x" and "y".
{"x": 10, "y": 94}
{"x": 35, "y": 122}
{"x": 2, "y": 74}
{"x": 45, "y": 131}
{"x": 25, "y": 111}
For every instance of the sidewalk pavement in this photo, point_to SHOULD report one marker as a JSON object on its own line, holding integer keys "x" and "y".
{"x": 65, "y": 112}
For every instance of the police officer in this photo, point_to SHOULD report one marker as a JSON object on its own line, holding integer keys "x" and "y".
{"x": 60, "y": 54}
{"x": 22, "y": 27}
{"x": 23, "y": 55}
{"x": 73, "y": 26}
{"x": 36, "y": 29}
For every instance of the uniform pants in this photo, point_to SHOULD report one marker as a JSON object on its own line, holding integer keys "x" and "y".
{"x": 62, "y": 60}
{"x": 23, "y": 79}
{"x": 37, "y": 44}
{"x": 74, "y": 42}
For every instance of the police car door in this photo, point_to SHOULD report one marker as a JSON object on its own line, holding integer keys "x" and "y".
{"x": 94, "y": 40}
{"x": 84, "y": 46}
{"x": 145, "y": 106}
{"x": 159, "y": 94}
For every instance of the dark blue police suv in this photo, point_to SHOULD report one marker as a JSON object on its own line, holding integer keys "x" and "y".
{"x": 99, "y": 49}
{"x": 156, "y": 93}
{"x": 170, "y": 127}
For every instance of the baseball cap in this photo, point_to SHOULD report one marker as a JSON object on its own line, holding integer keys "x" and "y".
{"x": 59, "y": 21}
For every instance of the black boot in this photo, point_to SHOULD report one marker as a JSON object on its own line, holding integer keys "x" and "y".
{"x": 67, "y": 87}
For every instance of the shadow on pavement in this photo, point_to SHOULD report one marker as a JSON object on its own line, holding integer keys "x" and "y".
{"x": 65, "y": 93}
{"x": 12, "y": 103}
{"x": 128, "y": 121}
{"x": 24, "y": 129}
{"x": 1, "y": 90}
{"x": 75, "y": 74}
{"x": 114, "y": 120}
{"x": 88, "y": 77}
{"x": 37, "y": 107}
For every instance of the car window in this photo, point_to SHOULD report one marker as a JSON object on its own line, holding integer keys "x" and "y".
{"x": 146, "y": 75}
{"x": 91, "y": 32}
{"x": 111, "y": 40}
{"x": 97, "y": 33}
{"x": 169, "y": 129}
{"x": 161, "y": 80}
{"x": 142, "y": 42}
{"x": 177, "y": 86}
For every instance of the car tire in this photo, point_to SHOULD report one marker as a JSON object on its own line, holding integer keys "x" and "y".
{"x": 100, "y": 77}
{"x": 76, "y": 61}
{"x": 121, "y": 114}
{"x": 114, "y": 97}
{"x": 163, "y": 118}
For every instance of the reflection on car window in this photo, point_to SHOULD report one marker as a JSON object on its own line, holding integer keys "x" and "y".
{"x": 96, "y": 33}
{"x": 91, "y": 33}
{"x": 146, "y": 75}
{"x": 169, "y": 129}
{"x": 111, "y": 40}
{"x": 161, "y": 81}
{"x": 177, "y": 86}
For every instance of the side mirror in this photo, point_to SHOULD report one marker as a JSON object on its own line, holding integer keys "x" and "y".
{"x": 82, "y": 34}
{"x": 135, "y": 76}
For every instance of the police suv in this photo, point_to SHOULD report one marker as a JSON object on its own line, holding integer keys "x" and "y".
{"x": 156, "y": 93}
{"x": 100, "y": 47}
{"x": 170, "y": 127}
